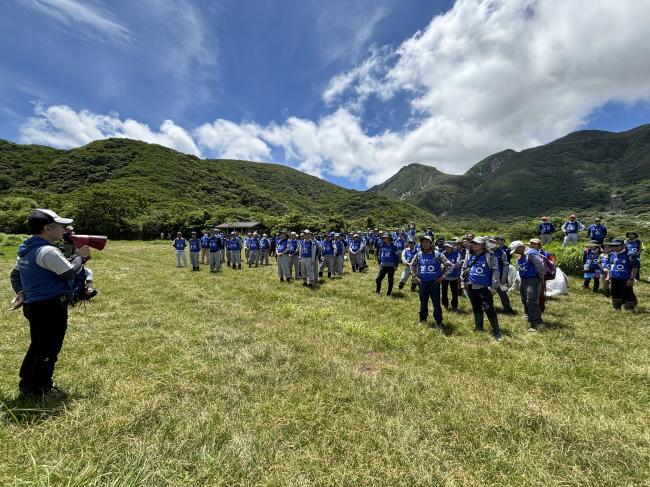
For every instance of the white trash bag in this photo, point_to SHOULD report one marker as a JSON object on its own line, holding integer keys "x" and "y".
{"x": 559, "y": 285}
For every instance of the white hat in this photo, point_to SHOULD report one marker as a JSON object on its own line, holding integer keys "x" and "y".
{"x": 516, "y": 244}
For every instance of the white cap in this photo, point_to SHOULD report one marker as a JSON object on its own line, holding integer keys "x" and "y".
{"x": 514, "y": 245}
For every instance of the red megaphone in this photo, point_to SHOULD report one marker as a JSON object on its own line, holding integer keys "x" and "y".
{"x": 95, "y": 241}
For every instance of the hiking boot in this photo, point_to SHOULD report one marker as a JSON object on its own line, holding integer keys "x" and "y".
{"x": 400, "y": 286}
{"x": 282, "y": 279}
{"x": 288, "y": 279}
{"x": 320, "y": 274}
{"x": 440, "y": 326}
{"x": 533, "y": 329}
{"x": 498, "y": 337}
{"x": 329, "y": 275}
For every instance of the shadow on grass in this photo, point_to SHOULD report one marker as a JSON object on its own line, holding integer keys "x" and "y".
{"x": 28, "y": 410}
{"x": 556, "y": 325}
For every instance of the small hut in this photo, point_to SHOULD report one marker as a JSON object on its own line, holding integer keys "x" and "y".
{"x": 241, "y": 227}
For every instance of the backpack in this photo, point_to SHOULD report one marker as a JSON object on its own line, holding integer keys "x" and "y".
{"x": 550, "y": 269}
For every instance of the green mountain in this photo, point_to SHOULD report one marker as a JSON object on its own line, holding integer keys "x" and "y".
{"x": 127, "y": 188}
{"x": 589, "y": 170}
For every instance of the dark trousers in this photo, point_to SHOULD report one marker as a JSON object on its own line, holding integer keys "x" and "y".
{"x": 383, "y": 272}
{"x": 505, "y": 300}
{"x": 430, "y": 290}
{"x": 529, "y": 290}
{"x": 482, "y": 302}
{"x": 622, "y": 294}
{"x": 48, "y": 321}
{"x": 453, "y": 286}
{"x": 596, "y": 283}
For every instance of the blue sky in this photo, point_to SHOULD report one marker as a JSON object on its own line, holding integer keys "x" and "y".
{"x": 349, "y": 90}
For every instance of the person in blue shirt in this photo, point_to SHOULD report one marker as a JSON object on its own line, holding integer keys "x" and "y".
{"x": 480, "y": 278}
{"x": 408, "y": 254}
{"x": 450, "y": 281}
{"x": 590, "y": 258}
{"x": 294, "y": 256}
{"x": 430, "y": 233}
{"x": 429, "y": 268}
{"x": 42, "y": 280}
{"x": 571, "y": 228}
{"x": 504, "y": 270}
{"x": 282, "y": 256}
{"x": 356, "y": 253}
{"x": 635, "y": 246}
{"x": 597, "y": 231}
{"x": 179, "y": 245}
{"x": 623, "y": 268}
{"x": 215, "y": 253}
{"x": 546, "y": 230}
{"x": 411, "y": 232}
{"x": 234, "y": 250}
{"x": 254, "y": 245}
{"x": 195, "y": 250}
{"x": 603, "y": 266}
{"x": 265, "y": 247}
{"x": 205, "y": 247}
{"x": 329, "y": 253}
{"x": 339, "y": 256}
{"x": 388, "y": 259}
{"x": 531, "y": 273}
{"x": 307, "y": 253}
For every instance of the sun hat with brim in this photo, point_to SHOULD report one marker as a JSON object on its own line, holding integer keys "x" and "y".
{"x": 515, "y": 245}
{"x": 48, "y": 216}
{"x": 631, "y": 233}
{"x": 616, "y": 242}
{"x": 385, "y": 235}
{"x": 572, "y": 216}
{"x": 478, "y": 240}
{"x": 451, "y": 245}
{"x": 592, "y": 243}
{"x": 426, "y": 237}
{"x": 535, "y": 241}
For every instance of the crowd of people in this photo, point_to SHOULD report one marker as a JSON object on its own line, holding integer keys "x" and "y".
{"x": 440, "y": 270}
{"x": 46, "y": 281}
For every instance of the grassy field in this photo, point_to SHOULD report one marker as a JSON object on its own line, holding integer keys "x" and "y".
{"x": 181, "y": 378}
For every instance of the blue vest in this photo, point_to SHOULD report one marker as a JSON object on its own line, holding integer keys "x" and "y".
{"x": 429, "y": 268}
{"x": 179, "y": 244}
{"x": 387, "y": 255}
{"x": 632, "y": 246}
{"x": 597, "y": 232}
{"x": 282, "y": 245}
{"x": 409, "y": 254}
{"x": 205, "y": 241}
{"x": 619, "y": 265}
{"x": 526, "y": 267}
{"x": 340, "y": 247}
{"x": 480, "y": 272}
{"x": 546, "y": 228}
{"x": 328, "y": 247}
{"x": 254, "y": 244}
{"x": 590, "y": 260}
{"x": 355, "y": 245}
{"x": 411, "y": 232}
{"x": 195, "y": 245}
{"x": 265, "y": 243}
{"x": 453, "y": 258}
{"x": 305, "y": 249}
{"x": 39, "y": 284}
{"x": 293, "y": 246}
{"x": 571, "y": 227}
{"x": 400, "y": 244}
{"x": 215, "y": 244}
{"x": 603, "y": 261}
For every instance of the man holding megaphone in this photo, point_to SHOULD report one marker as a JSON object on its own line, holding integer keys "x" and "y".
{"x": 42, "y": 281}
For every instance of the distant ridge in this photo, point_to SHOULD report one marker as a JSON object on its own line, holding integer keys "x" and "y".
{"x": 588, "y": 170}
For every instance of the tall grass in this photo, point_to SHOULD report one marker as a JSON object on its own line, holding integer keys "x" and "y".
{"x": 181, "y": 378}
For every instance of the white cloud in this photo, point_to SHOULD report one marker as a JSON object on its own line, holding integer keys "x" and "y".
{"x": 483, "y": 77}
{"x": 60, "y": 126}
{"x": 232, "y": 141}
{"x": 88, "y": 18}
